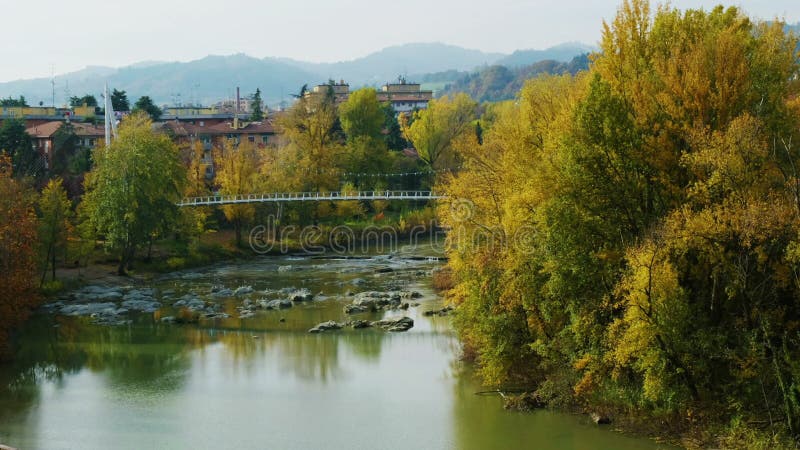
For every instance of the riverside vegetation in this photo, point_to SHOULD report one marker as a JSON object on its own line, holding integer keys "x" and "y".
{"x": 118, "y": 204}
{"x": 634, "y": 242}
{"x": 625, "y": 240}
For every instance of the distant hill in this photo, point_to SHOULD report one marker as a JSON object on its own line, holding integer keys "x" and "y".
{"x": 560, "y": 53}
{"x": 496, "y": 83}
{"x": 213, "y": 78}
{"x": 389, "y": 63}
{"x": 204, "y": 80}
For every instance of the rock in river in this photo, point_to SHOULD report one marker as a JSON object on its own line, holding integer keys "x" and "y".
{"x": 243, "y": 290}
{"x": 326, "y": 326}
{"x": 275, "y": 304}
{"x": 399, "y": 325}
{"x": 301, "y": 295}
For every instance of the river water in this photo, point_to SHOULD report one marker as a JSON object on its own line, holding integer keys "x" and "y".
{"x": 264, "y": 382}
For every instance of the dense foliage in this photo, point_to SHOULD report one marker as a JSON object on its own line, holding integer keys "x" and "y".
{"x": 133, "y": 187}
{"x": 629, "y": 238}
{"x": 18, "y": 225}
{"x": 15, "y": 141}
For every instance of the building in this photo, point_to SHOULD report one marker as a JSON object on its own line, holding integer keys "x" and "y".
{"x": 341, "y": 91}
{"x": 405, "y": 97}
{"x": 38, "y": 115}
{"x": 211, "y": 137}
{"x": 43, "y": 134}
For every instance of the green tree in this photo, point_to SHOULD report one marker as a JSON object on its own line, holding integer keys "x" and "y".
{"x": 13, "y": 101}
{"x": 54, "y": 224}
{"x": 119, "y": 101}
{"x": 256, "y": 107}
{"x": 145, "y": 104}
{"x": 88, "y": 100}
{"x": 15, "y": 140}
{"x": 361, "y": 115}
{"x": 65, "y": 146}
{"x": 393, "y": 133}
{"x": 131, "y": 192}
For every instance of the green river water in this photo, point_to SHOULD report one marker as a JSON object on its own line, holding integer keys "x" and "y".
{"x": 264, "y": 383}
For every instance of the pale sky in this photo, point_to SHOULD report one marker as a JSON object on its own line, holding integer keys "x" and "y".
{"x": 68, "y": 35}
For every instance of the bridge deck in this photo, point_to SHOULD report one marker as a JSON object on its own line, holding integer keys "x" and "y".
{"x": 277, "y": 197}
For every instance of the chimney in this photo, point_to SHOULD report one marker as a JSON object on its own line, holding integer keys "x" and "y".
{"x": 238, "y": 101}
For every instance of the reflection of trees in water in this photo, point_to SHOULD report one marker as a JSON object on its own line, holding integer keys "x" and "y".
{"x": 309, "y": 356}
{"x": 149, "y": 358}
{"x": 365, "y": 344}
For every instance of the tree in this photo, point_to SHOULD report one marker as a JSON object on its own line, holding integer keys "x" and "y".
{"x": 132, "y": 191}
{"x": 393, "y": 133}
{"x": 435, "y": 130}
{"x": 314, "y": 141}
{"x": 15, "y": 140}
{"x": 119, "y": 101}
{"x": 256, "y": 107}
{"x": 88, "y": 100}
{"x": 54, "y": 224}
{"x": 237, "y": 173}
{"x": 10, "y": 102}
{"x": 361, "y": 115}
{"x": 146, "y": 105}
{"x": 628, "y": 238}
{"x": 18, "y": 225}
{"x": 65, "y": 146}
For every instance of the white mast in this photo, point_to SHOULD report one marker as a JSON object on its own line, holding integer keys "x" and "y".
{"x": 110, "y": 119}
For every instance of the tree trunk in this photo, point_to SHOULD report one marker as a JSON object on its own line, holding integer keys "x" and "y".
{"x": 46, "y": 260}
{"x": 150, "y": 249}
{"x": 237, "y": 227}
{"x": 126, "y": 260}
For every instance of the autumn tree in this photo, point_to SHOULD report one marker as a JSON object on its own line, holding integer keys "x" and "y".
{"x": 54, "y": 224}
{"x": 132, "y": 191}
{"x": 627, "y": 239}
{"x": 436, "y": 130}
{"x": 18, "y": 227}
{"x": 237, "y": 169}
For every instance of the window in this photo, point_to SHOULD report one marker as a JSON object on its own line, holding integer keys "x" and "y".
{"x": 264, "y": 139}
{"x": 251, "y": 139}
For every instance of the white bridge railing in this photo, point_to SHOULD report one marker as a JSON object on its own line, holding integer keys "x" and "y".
{"x": 309, "y": 197}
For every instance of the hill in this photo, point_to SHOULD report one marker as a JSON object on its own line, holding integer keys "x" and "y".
{"x": 390, "y": 62}
{"x": 213, "y": 78}
{"x": 561, "y": 53}
{"x": 497, "y": 83}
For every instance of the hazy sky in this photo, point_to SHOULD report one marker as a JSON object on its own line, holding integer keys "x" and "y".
{"x": 68, "y": 35}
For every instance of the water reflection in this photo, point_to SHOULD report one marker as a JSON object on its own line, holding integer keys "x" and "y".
{"x": 265, "y": 382}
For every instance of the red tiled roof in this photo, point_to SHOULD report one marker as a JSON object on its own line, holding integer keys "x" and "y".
{"x": 44, "y": 130}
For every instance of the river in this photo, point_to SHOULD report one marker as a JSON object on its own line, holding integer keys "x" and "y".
{"x": 265, "y": 382}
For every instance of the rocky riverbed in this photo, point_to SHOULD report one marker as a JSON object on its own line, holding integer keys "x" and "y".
{"x": 370, "y": 286}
